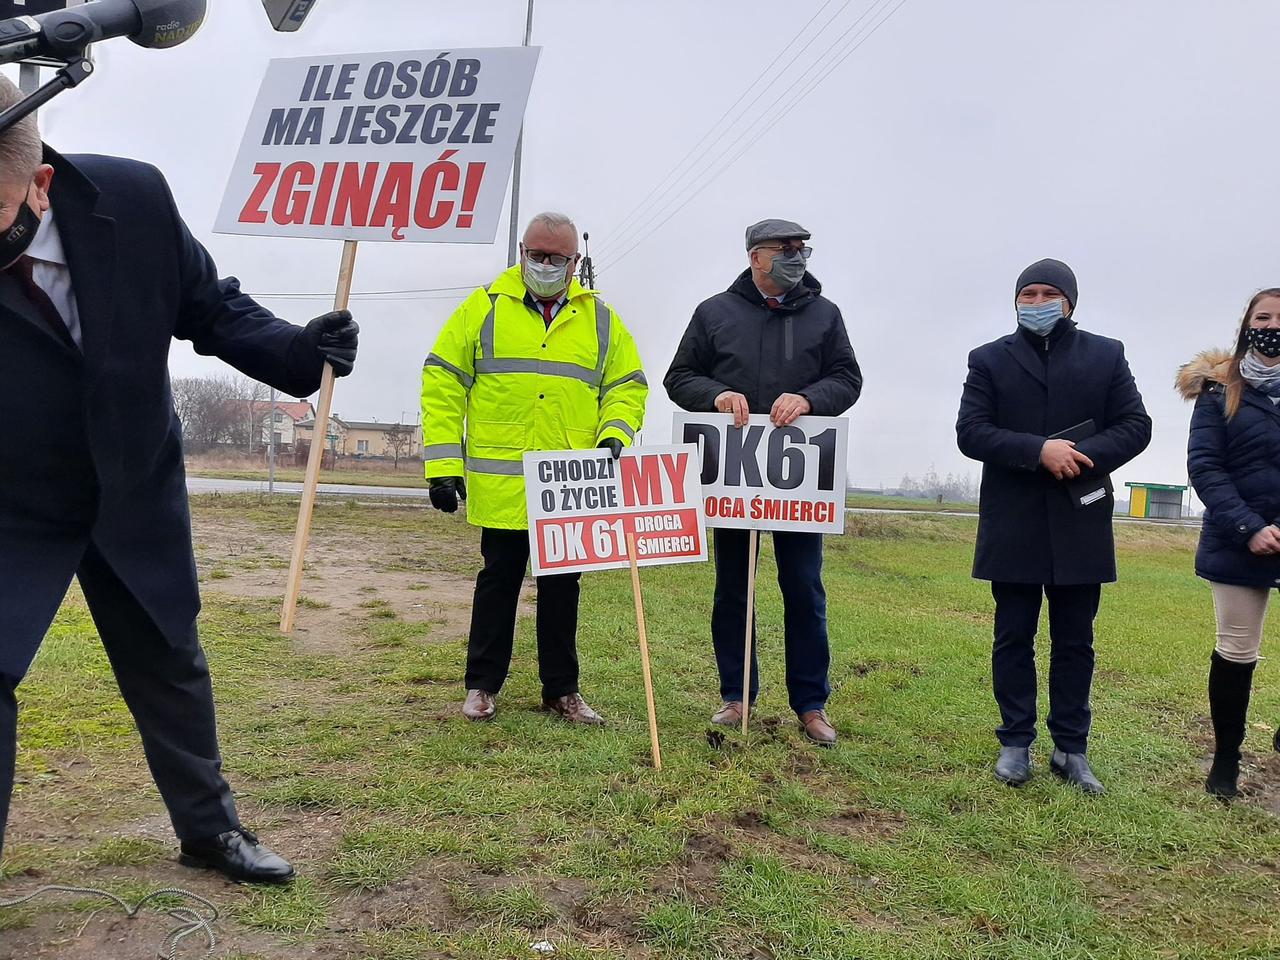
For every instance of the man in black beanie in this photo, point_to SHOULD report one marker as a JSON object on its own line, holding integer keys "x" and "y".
{"x": 1051, "y": 411}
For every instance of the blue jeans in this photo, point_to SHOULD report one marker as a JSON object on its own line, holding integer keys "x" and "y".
{"x": 804, "y": 603}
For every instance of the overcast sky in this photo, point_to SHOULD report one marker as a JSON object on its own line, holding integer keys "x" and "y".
{"x": 959, "y": 143}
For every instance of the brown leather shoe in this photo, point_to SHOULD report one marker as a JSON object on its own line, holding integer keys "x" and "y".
{"x": 479, "y": 705}
{"x": 729, "y": 714}
{"x": 818, "y": 728}
{"x": 574, "y": 709}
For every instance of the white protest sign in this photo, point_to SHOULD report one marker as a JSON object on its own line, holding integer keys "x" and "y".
{"x": 583, "y": 506}
{"x": 762, "y": 477}
{"x": 389, "y": 146}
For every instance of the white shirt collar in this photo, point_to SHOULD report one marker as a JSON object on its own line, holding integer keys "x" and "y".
{"x": 780, "y": 297}
{"x": 47, "y": 245}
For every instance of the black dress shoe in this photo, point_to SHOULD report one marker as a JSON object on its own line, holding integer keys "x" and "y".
{"x": 238, "y": 855}
{"x": 1276, "y": 742}
{"x": 1014, "y": 766}
{"x": 1074, "y": 769}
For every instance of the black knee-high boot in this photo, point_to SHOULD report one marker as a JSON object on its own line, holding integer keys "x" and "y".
{"x": 1229, "y": 685}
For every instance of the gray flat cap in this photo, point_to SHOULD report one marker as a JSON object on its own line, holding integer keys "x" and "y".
{"x": 767, "y": 230}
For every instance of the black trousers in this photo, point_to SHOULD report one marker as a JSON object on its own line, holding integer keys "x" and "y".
{"x": 165, "y": 684}
{"x": 1072, "y": 611}
{"x": 493, "y": 618}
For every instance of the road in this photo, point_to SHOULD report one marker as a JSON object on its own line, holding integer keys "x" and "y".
{"x": 206, "y": 485}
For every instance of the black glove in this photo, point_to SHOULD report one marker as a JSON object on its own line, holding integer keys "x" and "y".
{"x": 446, "y": 492}
{"x": 613, "y": 445}
{"x": 334, "y": 336}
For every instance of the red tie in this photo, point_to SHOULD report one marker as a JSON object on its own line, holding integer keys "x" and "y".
{"x": 772, "y": 303}
{"x": 547, "y": 306}
{"x": 23, "y": 272}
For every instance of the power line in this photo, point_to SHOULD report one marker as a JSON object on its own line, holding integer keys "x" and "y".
{"x": 375, "y": 296}
{"x": 664, "y": 214}
{"x": 828, "y": 69}
{"x": 628, "y": 221}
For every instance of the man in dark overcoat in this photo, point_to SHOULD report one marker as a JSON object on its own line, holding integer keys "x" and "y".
{"x": 98, "y": 274}
{"x": 1050, "y": 410}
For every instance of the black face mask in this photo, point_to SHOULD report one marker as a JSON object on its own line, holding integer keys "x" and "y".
{"x": 15, "y": 240}
{"x": 1265, "y": 341}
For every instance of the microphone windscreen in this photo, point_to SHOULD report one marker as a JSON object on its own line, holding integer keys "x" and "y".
{"x": 167, "y": 23}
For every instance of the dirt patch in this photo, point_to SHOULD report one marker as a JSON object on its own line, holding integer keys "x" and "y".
{"x": 1260, "y": 781}
{"x": 752, "y": 822}
{"x": 865, "y": 824}
{"x": 351, "y": 580}
{"x": 1259, "y": 772}
{"x": 417, "y": 901}
{"x": 56, "y": 929}
{"x": 704, "y": 857}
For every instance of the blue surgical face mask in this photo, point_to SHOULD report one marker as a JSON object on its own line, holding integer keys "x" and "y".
{"x": 1040, "y": 318}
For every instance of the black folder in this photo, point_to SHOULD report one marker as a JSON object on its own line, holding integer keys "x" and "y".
{"x": 1090, "y": 487}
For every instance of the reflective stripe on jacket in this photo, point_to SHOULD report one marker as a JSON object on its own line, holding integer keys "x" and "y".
{"x": 508, "y": 383}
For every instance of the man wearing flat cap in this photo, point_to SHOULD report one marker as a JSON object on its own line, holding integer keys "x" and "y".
{"x": 770, "y": 344}
{"x": 1050, "y": 410}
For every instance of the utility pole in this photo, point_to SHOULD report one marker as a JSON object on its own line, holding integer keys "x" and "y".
{"x": 587, "y": 273}
{"x": 515, "y": 170}
{"x": 271, "y": 446}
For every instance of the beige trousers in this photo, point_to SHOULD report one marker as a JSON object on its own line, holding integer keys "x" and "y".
{"x": 1241, "y": 612}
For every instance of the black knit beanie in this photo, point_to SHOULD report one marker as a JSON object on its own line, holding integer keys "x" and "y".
{"x": 1053, "y": 272}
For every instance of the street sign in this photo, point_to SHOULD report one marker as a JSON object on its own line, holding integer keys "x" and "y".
{"x": 288, "y": 15}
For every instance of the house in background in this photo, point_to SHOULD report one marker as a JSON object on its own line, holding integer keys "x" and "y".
{"x": 283, "y": 420}
{"x": 361, "y": 439}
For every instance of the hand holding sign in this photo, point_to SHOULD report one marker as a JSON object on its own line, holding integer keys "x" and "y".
{"x": 736, "y": 404}
{"x": 788, "y": 408}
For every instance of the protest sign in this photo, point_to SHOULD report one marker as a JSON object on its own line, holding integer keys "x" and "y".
{"x": 588, "y": 512}
{"x": 762, "y": 477}
{"x": 583, "y": 505}
{"x": 390, "y": 146}
{"x": 411, "y": 146}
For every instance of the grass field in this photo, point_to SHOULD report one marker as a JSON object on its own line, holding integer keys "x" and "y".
{"x": 421, "y": 836}
{"x": 870, "y": 501}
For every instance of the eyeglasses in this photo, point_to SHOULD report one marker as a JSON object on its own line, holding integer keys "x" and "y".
{"x": 555, "y": 259}
{"x": 805, "y": 252}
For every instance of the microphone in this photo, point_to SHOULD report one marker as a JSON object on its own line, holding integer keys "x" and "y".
{"x": 64, "y": 34}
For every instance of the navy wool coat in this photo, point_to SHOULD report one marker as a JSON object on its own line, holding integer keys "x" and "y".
{"x": 93, "y": 448}
{"x": 1029, "y": 530}
{"x": 1235, "y": 468}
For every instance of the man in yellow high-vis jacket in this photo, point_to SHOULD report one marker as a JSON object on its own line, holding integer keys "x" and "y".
{"x": 534, "y": 362}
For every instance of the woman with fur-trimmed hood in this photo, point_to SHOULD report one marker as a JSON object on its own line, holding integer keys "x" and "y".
{"x": 1233, "y": 458}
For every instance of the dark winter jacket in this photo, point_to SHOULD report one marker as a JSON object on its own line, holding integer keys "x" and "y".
{"x": 1015, "y": 398}
{"x": 1235, "y": 469}
{"x": 736, "y": 342}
